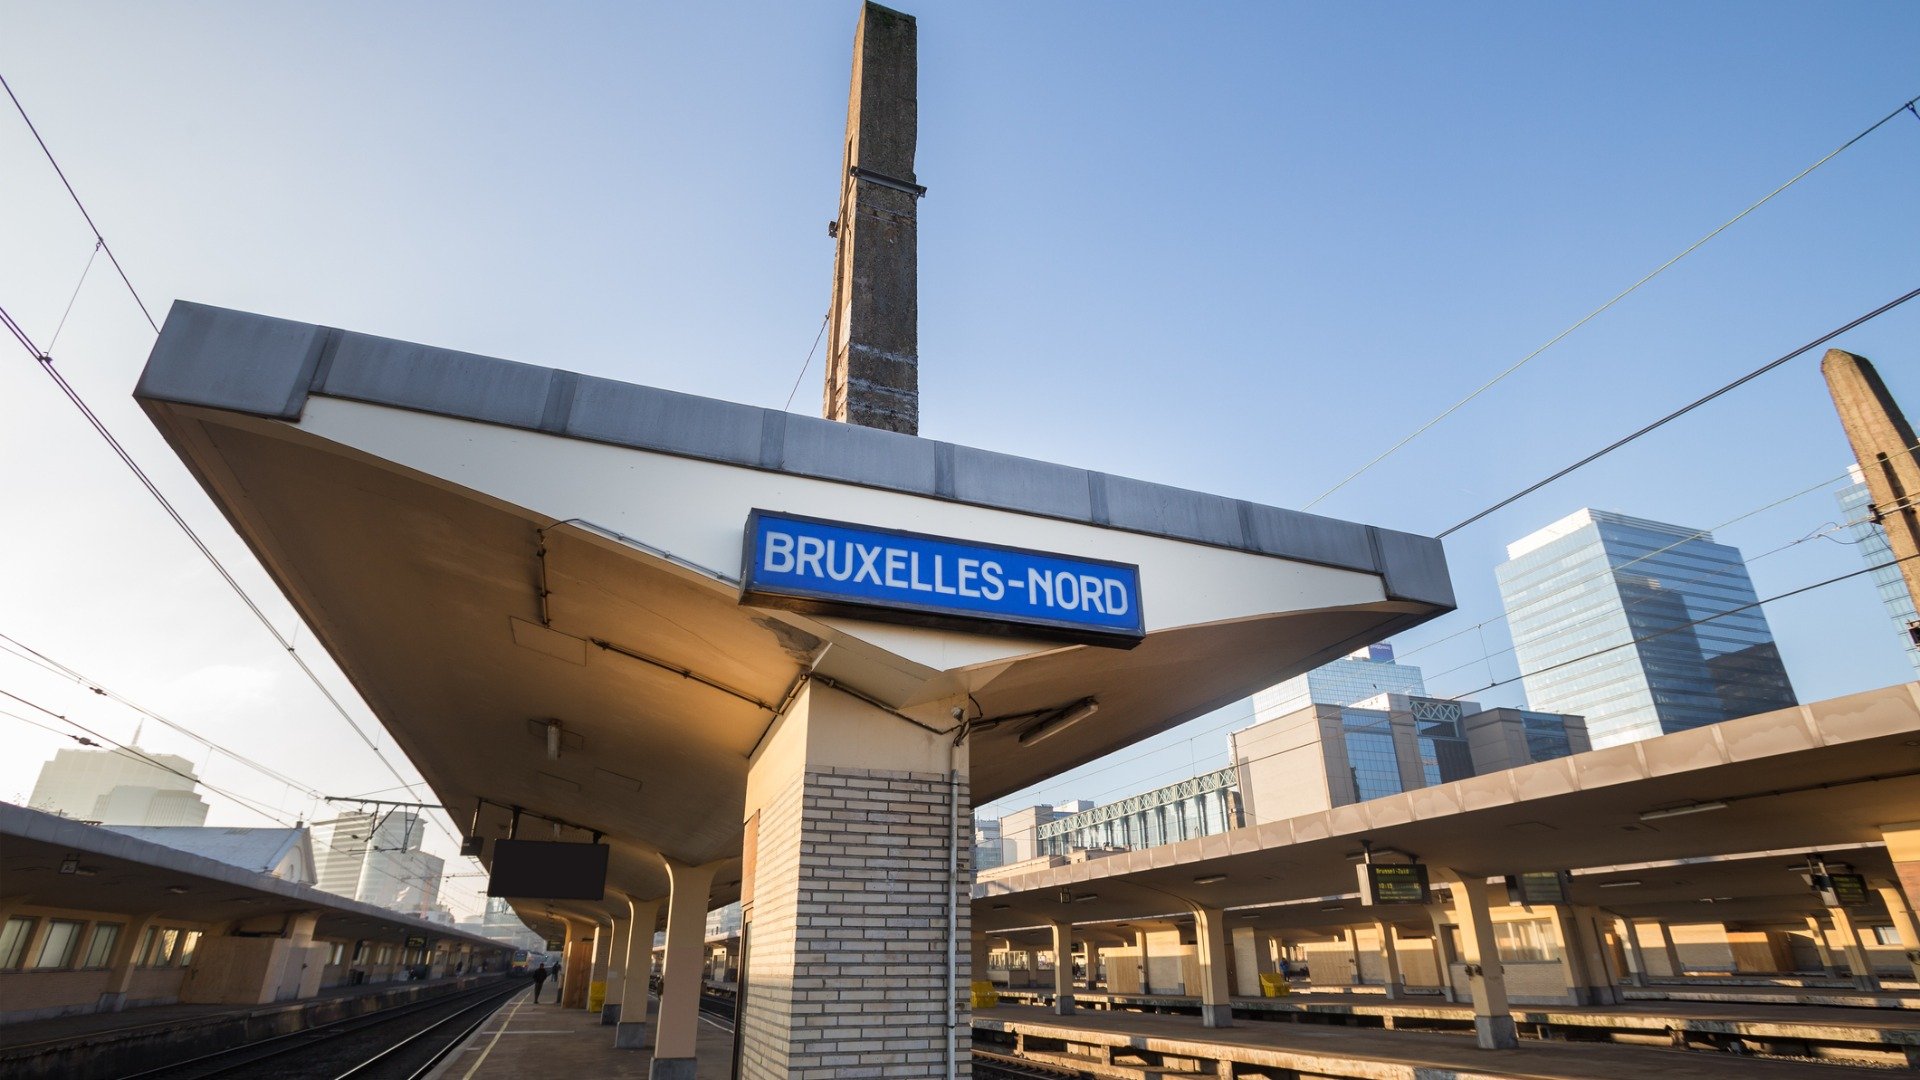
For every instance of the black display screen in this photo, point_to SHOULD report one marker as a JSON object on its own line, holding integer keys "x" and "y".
{"x": 547, "y": 870}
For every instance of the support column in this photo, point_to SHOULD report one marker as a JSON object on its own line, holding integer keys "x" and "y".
{"x": 1390, "y": 953}
{"x": 1827, "y": 966}
{"x": 1353, "y": 956}
{"x": 1857, "y": 962}
{"x": 1674, "y": 967}
{"x": 1589, "y": 971}
{"x": 1636, "y": 956}
{"x": 1486, "y": 982}
{"x": 982, "y": 954}
{"x": 1904, "y": 922}
{"x": 630, "y": 1029}
{"x": 602, "y": 961}
{"x": 616, "y": 990}
{"x": 1250, "y": 960}
{"x": 1146, "y": 966}
{"x": 120, "y": 975}
{"x": 1062, "y": 968}
{"x": 576, "y": 965}
{"x": 1442, "y": 950}
{"x": 1216, "y": 995}
{"x": 679, "y": 1023}
{"x": 1092, "y": 981}
{"x": 861, "y": 892}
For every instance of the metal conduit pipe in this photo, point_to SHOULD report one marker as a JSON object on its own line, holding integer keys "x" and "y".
{"x": 953, "y": 908}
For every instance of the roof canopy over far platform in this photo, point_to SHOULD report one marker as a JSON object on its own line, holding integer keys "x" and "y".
{"x": 486, "y": 547}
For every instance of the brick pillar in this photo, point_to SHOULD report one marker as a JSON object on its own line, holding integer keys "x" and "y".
{"x": 852, "y": 952}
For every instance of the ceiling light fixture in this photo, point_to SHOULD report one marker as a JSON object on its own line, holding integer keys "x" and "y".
{"x": 176, "y": 889}
{"x": 1333, "y": 907}
{"x": 1061, "y": 721}
{"x": 1084, "y": 897}
{"x": 1618, "y": 884}
{"x": 1209, "y": 879}
{"x": 1680, "y": 811}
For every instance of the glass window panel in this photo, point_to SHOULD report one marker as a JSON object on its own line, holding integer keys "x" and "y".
{"x": 13, "y": 941}
{"x": 100, "y": 946}
{"x": 57, "y": 947}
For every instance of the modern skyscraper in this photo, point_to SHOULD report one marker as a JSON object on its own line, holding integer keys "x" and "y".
{"x": 1643, "y": 628}
{"x": 1856, "y": 503}
{"x": 1362, "y": 674}
{"x": 376, "y": 859}
{"x": 116, "y": 787}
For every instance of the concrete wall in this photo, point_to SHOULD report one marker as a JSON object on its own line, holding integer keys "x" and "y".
{"x": 1284, "y": 765}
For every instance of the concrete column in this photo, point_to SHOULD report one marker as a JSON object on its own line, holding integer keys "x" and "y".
{"x": 858, "y": 810}
{"x": 1857, "y": 962}
{"x": 120, "y": 974}
{"x": 1062, "y": 968}
{"x": 1251, "y": 958}
{"x": 1904, "y": 922}
{"x": 630, "y": 1029}
{"x": 982, "y": 953}
{"x": 1353, "y": 957}
{"x": 1092, "y": 981}
{"x": 616, "y": 990}
{"x": 1486, "y": 982}
{"x": 1216, "y": 994}
{"x": 1674, "y": 966}
{"x": 1443, "y": 958}
{"x": 1390, "y": 953}
{"x": 602, "y": 961}
{"x": 1590, "y": 971}
{"x": 1636, "y": 956}
{"x": 1827, "y": 966}
{"x": 1146, "y": 968}
{"x": 679, "y": 1023}
{"x": 576, "y": 964}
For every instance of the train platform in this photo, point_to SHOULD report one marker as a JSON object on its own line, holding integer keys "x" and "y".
{"x": 1139, "y": 1044}
{"x": 1865, "y": 1029}
{"x": 526, "y": 1040}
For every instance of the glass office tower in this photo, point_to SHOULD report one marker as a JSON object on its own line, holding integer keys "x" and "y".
{"x": 1856, "y": 503}
{"x": 1632, "y": 624}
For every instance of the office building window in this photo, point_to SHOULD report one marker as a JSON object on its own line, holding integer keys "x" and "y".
{"x": 1371, "y": 760}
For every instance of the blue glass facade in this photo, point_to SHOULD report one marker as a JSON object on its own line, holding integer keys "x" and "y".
{"x": 1856, "y": 504}
{"x": 1660, "y": 601}
{"x": 1367, "y": 673}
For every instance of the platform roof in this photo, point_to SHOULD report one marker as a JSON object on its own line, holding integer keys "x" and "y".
{"x": 485, "y": 545}
{"x": 1821, "y": 777}
{"x": 122, "y": 874}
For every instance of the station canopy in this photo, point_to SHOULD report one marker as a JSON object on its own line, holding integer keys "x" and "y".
{"x": 499, "y": 555}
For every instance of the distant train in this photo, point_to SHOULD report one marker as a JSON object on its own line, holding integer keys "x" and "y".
{"x": 519, "y": 960}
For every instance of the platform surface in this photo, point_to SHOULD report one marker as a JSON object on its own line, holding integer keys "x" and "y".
{"x": 1545, "y": 1060}
{"x": 524, "y": 1040}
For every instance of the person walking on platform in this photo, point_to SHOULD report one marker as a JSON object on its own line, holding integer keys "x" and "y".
{"x": 539, "y": 981}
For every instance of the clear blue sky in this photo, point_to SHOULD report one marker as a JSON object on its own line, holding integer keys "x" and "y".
{"x": 1238, "y": 247}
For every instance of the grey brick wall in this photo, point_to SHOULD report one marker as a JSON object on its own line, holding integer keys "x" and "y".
{"x": 848, "y": 954}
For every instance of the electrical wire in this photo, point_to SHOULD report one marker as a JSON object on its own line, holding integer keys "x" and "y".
{"x": 1596, "y": 312}
{"x": 1680, "y": 412}
{"x": 75, "y": 196}
{"x": 809, "y": 363}
{"x": 19, "y": 649}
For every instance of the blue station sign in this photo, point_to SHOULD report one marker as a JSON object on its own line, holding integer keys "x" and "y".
{"x": 865, "y": 572}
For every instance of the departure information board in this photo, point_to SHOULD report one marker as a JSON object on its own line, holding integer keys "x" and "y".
{"x": 1393, "y": 883}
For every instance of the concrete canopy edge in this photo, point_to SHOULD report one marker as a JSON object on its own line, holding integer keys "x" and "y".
{"x": 264, "y": 366}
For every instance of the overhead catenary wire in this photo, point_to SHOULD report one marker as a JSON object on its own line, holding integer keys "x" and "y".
{"x": 1597, "y": 312}
{"x": 1680, "y": 412}
{"x": 809, "y": 362}
{"x": 75, "y": 196}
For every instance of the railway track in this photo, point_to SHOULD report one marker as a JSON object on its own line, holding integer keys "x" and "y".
{"x": 988, "y": 1065}
{"x": 400, "y": 1043}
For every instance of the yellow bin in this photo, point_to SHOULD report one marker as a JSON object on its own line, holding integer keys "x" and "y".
{"x": 1274, "y": 984}
{"x": 596, "y": 996}
{"x": 984, "y": 995}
